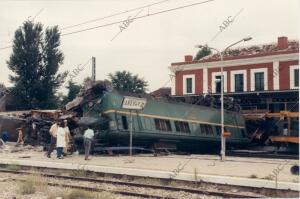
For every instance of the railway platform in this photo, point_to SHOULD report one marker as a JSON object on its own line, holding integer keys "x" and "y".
{"x": 238, "y": 171}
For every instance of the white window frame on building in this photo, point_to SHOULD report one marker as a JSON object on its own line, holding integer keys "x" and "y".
{"x": 173, "y": 84}
{"x": 259, "y": 70}
{"x": 232, "y": 80}
{"x": 292, "y": 76}
{"x": 276, "y": 74}
{"x": 213, "y": 80}
{"x": 185, "y": 77}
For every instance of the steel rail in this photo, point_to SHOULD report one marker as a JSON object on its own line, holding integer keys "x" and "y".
{"x": 96, "y": 189}
{"x": 132, "y": 184}
{"x": 262, "y": 155}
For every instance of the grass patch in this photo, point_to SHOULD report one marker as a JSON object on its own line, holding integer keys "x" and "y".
{"x": 78, "y": 194}
{"x": 253, "y": 176}
{"x": 269, "y": 177}
{"x": 150, "y": 181}
{"x": 172, "y": 183}
{"x": 31, "y": 184}
{"x": 79, "y": 173}
{"x": 13, "y": 167}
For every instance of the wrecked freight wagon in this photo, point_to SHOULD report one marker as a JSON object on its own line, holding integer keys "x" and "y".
{"x": 35, "y": 125}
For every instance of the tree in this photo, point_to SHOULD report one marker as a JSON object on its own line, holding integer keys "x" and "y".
{"x": 35, "y": 61}
{"x": 125, "y": 81}
{"x": 73, "y": 90}
{"x": 202, "y": 53}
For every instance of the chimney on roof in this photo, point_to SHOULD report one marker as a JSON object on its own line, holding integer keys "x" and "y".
{"x": 282, "y": 43}
{"x": 188, "y": 58}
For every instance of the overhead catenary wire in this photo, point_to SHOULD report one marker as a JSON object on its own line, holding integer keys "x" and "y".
{"x": 113, "y": 15}
{"x": 120, "y": 21}
{"x": 139, "y": 17}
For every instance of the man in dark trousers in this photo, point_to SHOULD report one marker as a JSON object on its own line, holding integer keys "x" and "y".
{"x": 88, "y": 138}
{"x": 53, "y": 134}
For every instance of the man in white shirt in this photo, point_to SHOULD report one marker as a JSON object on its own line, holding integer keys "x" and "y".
{"x": 88, "y": 137}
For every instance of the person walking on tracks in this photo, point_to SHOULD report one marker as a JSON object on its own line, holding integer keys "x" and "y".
{"x": 60, "y": 140}
{"x": 53, "y": 134}
{"x": 88, "y": 138}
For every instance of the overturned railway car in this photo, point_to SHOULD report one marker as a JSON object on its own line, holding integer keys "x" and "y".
{"x": 161, "y": 124}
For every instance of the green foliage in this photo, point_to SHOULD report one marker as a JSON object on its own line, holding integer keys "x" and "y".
{"x": 73, "y": 90}
{"x": 31, "y": 184}
{"x": 35, "y": 61}
{"x": 79, "y": 173}
{"x": 79, "y": 194}
{"x": 87, "y": 80}
{"x": 125, "y": 81}
{"x": 28, "y": 186}
{"x": 253, "y": 176}
{"x": 202, "y": 53}
{"x": 14, "y": 167}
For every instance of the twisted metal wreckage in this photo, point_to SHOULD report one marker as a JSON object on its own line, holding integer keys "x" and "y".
{"x": 36, "y": 123}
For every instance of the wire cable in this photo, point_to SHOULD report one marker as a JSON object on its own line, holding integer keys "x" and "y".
{"x": 117, "y": 22}
{"x": 143, "y": 16}
{"x": 113, "y": 15}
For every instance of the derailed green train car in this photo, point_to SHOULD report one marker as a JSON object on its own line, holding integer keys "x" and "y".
{"x": 162, "y": 123}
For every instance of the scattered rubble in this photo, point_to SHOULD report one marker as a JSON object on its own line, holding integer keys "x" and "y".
{"x": 254, "y": 50}
{"x": 35, "y": 124}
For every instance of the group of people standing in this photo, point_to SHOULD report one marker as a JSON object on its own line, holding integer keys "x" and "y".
{"x": 61, "y": 136}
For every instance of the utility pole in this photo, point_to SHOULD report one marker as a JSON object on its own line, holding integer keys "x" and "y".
{"x": 93, "y": 69}
{"x": 223, "y": 138}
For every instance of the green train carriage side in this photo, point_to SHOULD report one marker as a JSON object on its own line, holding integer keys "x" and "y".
{"x": 190, "y": 128}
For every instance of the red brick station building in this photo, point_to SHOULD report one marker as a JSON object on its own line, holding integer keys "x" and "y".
{"x": 262, "y": 76}
{"x": 264, "y": 79}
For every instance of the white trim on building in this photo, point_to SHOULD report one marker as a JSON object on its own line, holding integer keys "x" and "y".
{"x": 292, "y": 71}
{"x": 232, "y": 79}
{"x": 184, "y": 84}
{"x": 213, "y": 80}
{"x": 205, "y": 81}
{"x": 276, "y": 73}
{"x": 252, "y": 78}
{"x": 173, "y": 84}
{"x": 238, "y": 62}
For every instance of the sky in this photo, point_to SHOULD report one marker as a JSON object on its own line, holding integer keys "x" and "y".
{"x": 148, "y": 45}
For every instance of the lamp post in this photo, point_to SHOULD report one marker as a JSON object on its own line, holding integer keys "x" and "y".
{"x": 223, "y": 139}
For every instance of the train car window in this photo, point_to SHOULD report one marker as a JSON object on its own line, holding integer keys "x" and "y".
{"x": 146, "y": 123}
{"x": 162, "y": 125}
{"x": 124, "y": 122}
{"x": 243, "y": 133}
{"x": 207, "y": 129}
{"x": 218, "y": 130}
{"x": 182, "y": 127}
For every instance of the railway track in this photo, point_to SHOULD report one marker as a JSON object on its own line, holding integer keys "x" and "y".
{"x": 130, "y": 184}
{"x": 262, "y": 155}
